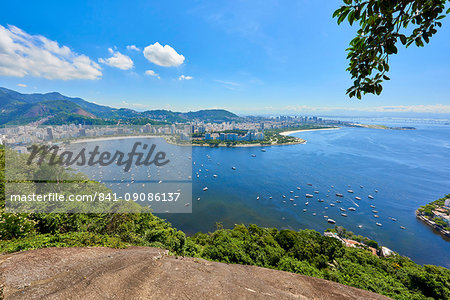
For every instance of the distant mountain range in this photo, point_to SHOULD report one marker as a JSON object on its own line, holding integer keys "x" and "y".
{"x": 54, "y": 108}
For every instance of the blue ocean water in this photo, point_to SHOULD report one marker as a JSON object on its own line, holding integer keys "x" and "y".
{"x": 409, "y": 168}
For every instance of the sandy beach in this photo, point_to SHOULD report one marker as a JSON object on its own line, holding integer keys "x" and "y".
{"x": 304, "y": 130}
{"x": 285, "y": 133}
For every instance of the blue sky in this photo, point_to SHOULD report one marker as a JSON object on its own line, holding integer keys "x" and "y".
{"x": 245, "y": 56}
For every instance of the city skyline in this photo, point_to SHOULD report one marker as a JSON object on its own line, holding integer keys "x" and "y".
{"x": 266, "y": 59}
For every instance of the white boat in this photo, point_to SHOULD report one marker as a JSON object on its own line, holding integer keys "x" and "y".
{"x": 332, "y": 204}
{"x": 378, "y": 224}
{"x": 344, "y": 215}
{"x": 342, "y": 209}
{"x": 298, "y": 188}
{"x": 376, "y": 216}
{"x": 304, "y": 210}
{"x": 350, "y": 191}
{"x": 257, "y": 198}
{"x": 263, "y": 150}
{"x": 306, "y": 203}
{"x": 205, "y": 189}
{"x": 233, "y": 168}
{"x": 351, "y": 209}
{"x": 339, "y": 195}
{"x": 358, "y": 198}
{"x": 314, "y": 214}
{"x": 316, "y": 192}
{"x": 309, "y": 196}
{"x": 359, "y": 226}
{"x": 370, "y": 196}
{"x": 215, "y": 175}
{"x": 402, "y": 227}
{"x": 253, "y": 155}
{"x": 331, "y": 221}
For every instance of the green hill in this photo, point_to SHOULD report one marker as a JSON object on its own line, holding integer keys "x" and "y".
{"x": 18, "y": 108}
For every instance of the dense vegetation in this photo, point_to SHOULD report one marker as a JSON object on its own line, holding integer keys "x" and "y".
{"x": 303, "y": 252}
{"x": 17, "y": 108}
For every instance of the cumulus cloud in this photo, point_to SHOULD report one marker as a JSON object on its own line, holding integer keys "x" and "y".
{"x": 117, "y": 60}
{"x": 182, "y": 77}
{"x": 163, "y": 56}
{"x": 152, "y": 73}
{"x": 22, "y": 85}
{"x": 22, "y": 54}
{"x": 133, "y": 47}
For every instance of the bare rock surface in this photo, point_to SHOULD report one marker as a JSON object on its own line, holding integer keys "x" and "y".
{"x": 150, "y": 273}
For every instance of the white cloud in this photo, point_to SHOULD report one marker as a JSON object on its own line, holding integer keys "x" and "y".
{"x": 163, "y": 56}
{"x": 432, "y": 108}
{"x": 152, "y": 73}
{"x": 228, "y": 84}
{"x": 22, "y": 85}
{"x": 22, "y": 54}
{"x": 133, "y": 47}
{"x": 117, "y": 60}
{"x": 182, "y": 77}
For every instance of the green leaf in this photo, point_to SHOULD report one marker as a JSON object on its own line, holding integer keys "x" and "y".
{"x": 403, "y": 39}
{"x": 391, "y": 48}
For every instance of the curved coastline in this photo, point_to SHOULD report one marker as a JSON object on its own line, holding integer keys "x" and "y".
{"x": 284, "y": 133}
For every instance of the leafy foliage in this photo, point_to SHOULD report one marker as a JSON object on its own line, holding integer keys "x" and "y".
{"x": 308, "y": 252}
{"x": 304, "y": 252}
{"x": 382, "y": 23}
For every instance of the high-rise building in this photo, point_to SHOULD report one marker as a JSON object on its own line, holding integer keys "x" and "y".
{"x": 49, "y": 133}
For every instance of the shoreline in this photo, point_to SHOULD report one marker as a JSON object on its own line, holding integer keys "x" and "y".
{"x": 285, "y": 133}
{"x": 438, "y": 229}
{"x": 94, "y": 139}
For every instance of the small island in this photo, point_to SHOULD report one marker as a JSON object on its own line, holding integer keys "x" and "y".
{"x": 437, "y": 215}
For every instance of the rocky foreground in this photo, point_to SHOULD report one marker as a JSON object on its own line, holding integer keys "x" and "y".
{"x": 149, "y": 273}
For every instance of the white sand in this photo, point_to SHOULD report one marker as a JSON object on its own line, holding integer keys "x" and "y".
{"x": 304, "y": 130}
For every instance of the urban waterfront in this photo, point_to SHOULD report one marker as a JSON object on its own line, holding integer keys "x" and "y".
{"x": 409, "y": 168}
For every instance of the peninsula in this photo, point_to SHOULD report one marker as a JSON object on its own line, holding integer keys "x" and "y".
{"x": 437, "y": 215}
